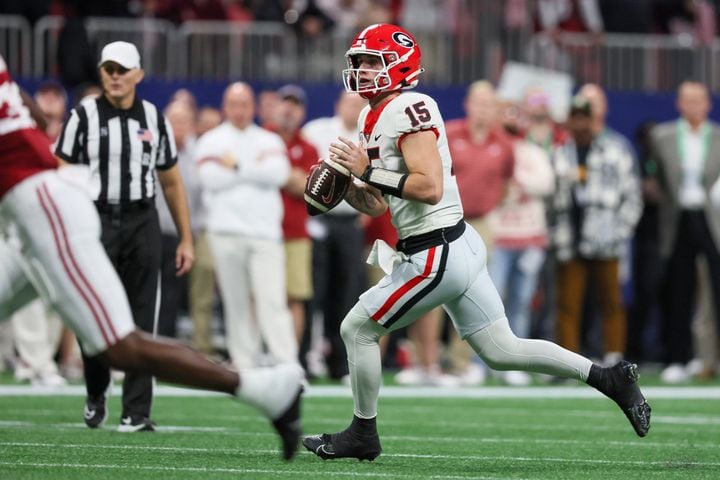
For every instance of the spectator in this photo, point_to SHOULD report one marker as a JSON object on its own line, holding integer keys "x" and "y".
{"x": 646, "y": 266}
{"x": 544, "y": 132}
{"x": 520, "y": 232}
{"x": 268, "y": 102}
{"x": 289, "y": 117}
{"x": 179, "y": 11}
{"x": 52, "y": 101}
{"x": 242, "y": 165}
{"x": 482, "y": 155}
{"x": 181, "y": 116}
{"x": 208, "y": 118}
{"x": 338, "y": 266}
{"x": 597, "y": 205}
{"x": 688, "y": 174}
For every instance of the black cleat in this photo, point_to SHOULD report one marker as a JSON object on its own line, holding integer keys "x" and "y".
{"x": 621, "y": 386}
{"x": 134, "y": 423}
{"x": 95, "y": 412}
{"x": 289, "y": 427}
{"x": 345, "y": 444}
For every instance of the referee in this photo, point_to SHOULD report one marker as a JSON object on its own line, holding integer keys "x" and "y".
{"x": 126, "y": 141}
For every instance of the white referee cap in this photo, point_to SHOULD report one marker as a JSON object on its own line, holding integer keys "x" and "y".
{"x": 123, "y": 53}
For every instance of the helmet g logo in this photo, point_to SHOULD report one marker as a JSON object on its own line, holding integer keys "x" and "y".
{"x": 402, "y": 39}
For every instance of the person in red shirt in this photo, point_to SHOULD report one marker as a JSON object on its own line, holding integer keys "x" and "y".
{"x": 62, "y": 260}
{"x": 288, "y": 117}
{"x": 483, "y": 165}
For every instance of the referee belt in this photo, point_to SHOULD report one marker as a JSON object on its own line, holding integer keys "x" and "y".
{"x": 441, "y": 236}
{"x": 116, "y": 209}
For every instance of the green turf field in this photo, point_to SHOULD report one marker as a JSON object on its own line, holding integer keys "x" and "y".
{"x": 519, "y": 437}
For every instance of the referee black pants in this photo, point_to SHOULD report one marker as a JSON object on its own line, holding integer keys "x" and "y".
{"x": 132, "y": 240}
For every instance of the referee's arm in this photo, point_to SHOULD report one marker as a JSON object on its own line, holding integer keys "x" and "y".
{"x": 176, "y": 199}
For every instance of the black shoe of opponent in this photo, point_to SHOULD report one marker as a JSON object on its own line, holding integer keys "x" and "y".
{"x": 353, "y": 442}
{"x": 619, "y": 383}
{"x": 289, "y": 427}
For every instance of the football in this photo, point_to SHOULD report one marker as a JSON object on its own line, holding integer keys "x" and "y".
{"x": 326, "y": 186}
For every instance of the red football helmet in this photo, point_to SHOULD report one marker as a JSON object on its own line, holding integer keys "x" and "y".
{"x": 398, "y": 52}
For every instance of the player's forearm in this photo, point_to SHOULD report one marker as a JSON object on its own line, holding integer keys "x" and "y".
{"x": 366, "y": 201}
{"x": 423, "y": 188}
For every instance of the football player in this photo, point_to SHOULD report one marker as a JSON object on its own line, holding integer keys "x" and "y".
{"x": 404, "y": 164}
{"x": 63, "y": 261}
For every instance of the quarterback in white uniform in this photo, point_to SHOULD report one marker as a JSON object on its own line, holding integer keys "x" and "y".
{"x": 402, "y": 162}
{"x": 63, "y": 261}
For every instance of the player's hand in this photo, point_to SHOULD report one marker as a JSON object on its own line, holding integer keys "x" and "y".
{"x": 351, "y": 156}
{"x": 228, "y": 161}
{"x": 184, "y": 258}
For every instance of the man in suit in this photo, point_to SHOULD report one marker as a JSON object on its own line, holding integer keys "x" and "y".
{"x": 688, "y": 155}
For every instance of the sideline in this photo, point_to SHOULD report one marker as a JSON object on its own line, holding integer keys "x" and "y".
{"x": 663, "y": 393}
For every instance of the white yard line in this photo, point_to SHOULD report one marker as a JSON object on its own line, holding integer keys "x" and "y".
{"x": 665, "y": 393}
{"x": 292, "y": 473}
{"x": 539, "y": 459}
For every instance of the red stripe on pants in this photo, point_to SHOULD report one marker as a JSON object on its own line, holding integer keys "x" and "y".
{"x": 397, "y": 294}
{"x": 67, "y": 258}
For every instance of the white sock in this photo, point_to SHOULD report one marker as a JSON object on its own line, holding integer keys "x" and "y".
{"x": 361, "y": 336}
{"x": 502, "y": 350}
{"x": 271, "y": 390}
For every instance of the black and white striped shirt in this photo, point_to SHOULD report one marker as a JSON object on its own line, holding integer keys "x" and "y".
{"x": 122, "y": 147}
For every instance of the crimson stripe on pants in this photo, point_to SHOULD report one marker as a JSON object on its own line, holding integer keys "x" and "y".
{"x": 62, "y": 253}
{"x": 397, "y": 294}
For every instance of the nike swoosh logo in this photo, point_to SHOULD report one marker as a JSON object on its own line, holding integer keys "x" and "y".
{"x": 89, "y": 414}
{"x": 127, "y": 421}
{"x": 322, "y": 447}
{"x": 328, "y": 197}
{"x": 377, "y": 136}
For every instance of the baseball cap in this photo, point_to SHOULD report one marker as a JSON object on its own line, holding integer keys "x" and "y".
{"x": 293, "y": 92}
{"x": 123, "y": 53}
{"x": 580, "y": 105}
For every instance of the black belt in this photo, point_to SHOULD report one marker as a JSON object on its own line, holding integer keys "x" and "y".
{"x": 118, "y": 209}
{"x": 441, "y": 236}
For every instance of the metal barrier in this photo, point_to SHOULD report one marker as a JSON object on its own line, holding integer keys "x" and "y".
{"x": 15, "y": 43}
{"x": 254, "y": 51}
{"x": 263, "y": 51}
{"x": 628, "y": 62}
{"x": 153, "y": 37}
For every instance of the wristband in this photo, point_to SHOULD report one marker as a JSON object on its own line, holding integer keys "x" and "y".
{"x": 387, "y": 181}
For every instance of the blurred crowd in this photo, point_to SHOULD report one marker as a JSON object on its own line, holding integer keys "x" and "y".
{"x": 313, "y": 17}
{"x": 587, "y": 243}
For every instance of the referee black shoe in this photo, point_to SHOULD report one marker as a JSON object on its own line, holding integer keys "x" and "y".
{"x": 619, "y": 382}
{"x": 353, "y": 442}
{"x": 132, "y": 423}
{"x": 95, "y": 412}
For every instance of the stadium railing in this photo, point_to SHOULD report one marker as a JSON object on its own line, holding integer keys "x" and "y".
{"x": 266, "y": 51}
{"x": 15, "y": 43}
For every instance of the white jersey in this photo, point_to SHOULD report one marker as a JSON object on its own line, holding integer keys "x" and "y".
{"x": 14, "y": 115}
{"x": 382, "y": 136}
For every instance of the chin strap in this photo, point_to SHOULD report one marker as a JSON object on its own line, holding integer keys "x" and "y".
{"x": 387, "y": 181}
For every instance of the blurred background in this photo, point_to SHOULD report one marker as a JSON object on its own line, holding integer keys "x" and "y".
{"x": 637, "y": 51}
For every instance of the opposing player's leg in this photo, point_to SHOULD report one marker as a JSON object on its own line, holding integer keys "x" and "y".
{"x": 479, "y": 317}
{"x": 59, "y": 228}
{"x": 16, "y": 290}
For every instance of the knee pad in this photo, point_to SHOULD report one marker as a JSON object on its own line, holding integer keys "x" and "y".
{"x": 357, "y": 327}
